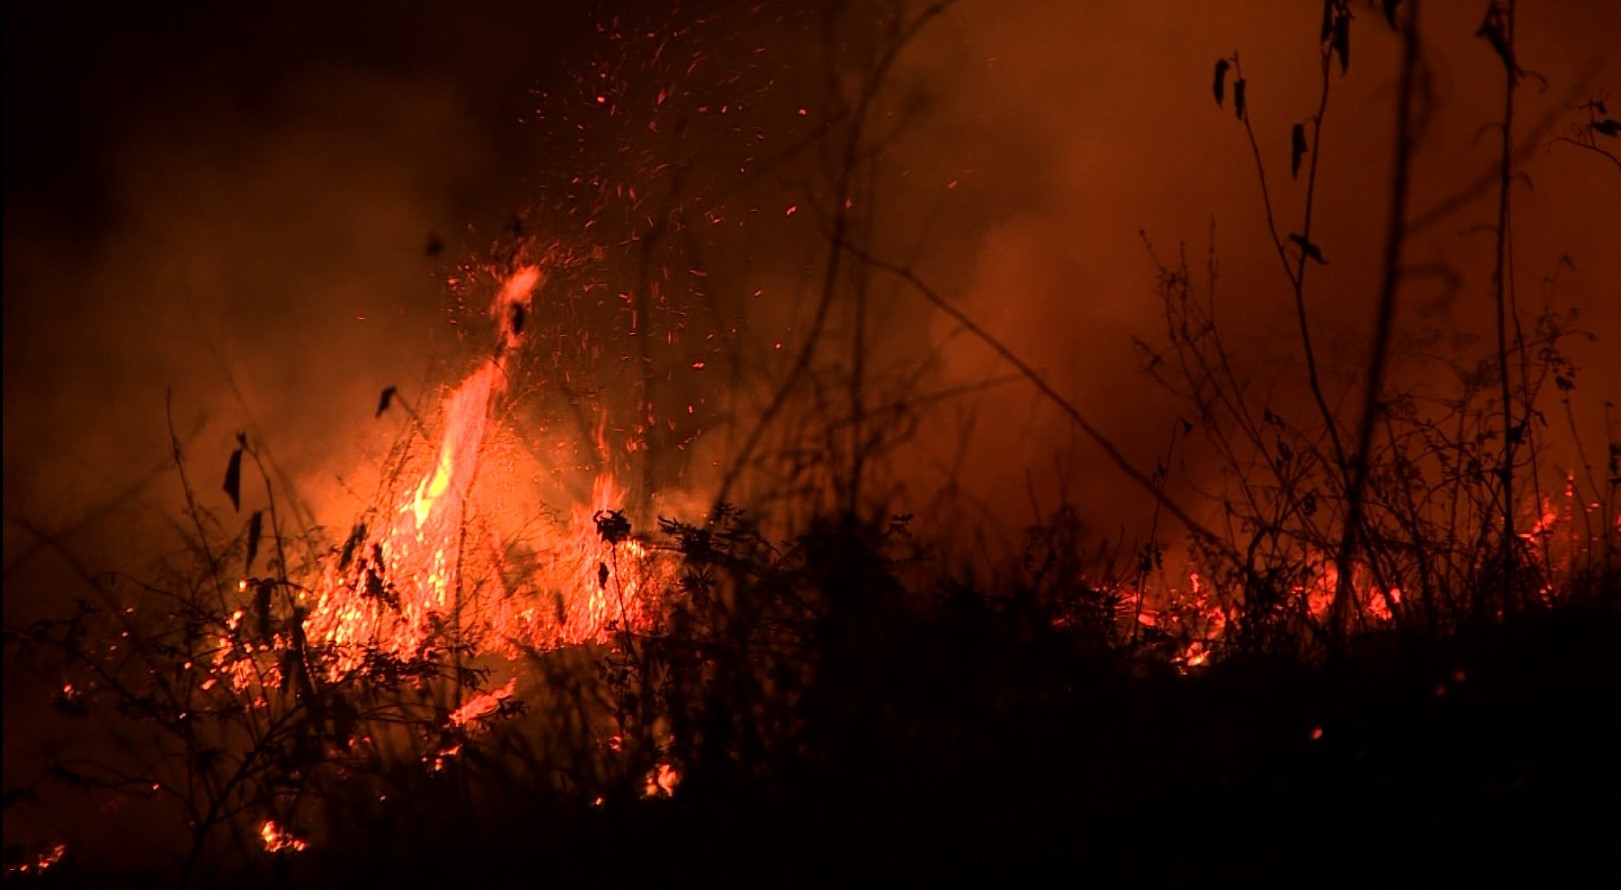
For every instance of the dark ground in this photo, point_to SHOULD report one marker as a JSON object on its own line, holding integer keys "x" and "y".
{"x": 1486, "y": 760}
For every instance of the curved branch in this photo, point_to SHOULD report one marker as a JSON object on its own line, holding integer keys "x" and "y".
{"x": 1113, "y": 452}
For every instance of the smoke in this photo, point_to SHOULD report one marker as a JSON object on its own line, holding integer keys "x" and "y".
{"x": 240, "y": 211}
{"x": 254, "y": 219}
{"x": 257, "y": 217}
{"x": 1070, "y": 133}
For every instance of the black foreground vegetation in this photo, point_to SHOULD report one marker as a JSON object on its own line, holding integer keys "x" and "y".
{"x": 830, "y": 724}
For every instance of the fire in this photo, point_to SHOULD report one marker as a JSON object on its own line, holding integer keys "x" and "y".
{"x": 278, "y": 839}
{"x": 37, "y": 862}
{"x": 1548, "y": 515}
{"x": 468, "y": 408}
{"x": 1197, "y": 617}
{"x": 437, "y": 560}
{"x": 661, "y": 781}
{"x": 1195, "y": 655}
{"x": 466, "y": 414}
{"x": 483, "y": 704}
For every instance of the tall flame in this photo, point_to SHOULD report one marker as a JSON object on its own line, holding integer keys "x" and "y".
{"x": 410, "y": 576}
{"x": 469, "y": 406}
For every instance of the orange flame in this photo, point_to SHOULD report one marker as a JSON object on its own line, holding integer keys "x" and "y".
{"x": 277, "y": 838}
{"x": 39, "y": 861}
{"x": 483, "y": 704}
{"x": 421, "y": 568}
{"x": 661, "y": 781}
{"x": 468, "y": 408}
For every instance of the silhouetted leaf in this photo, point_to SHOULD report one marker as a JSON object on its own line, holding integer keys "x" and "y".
{"x": 256, "y": 524}
{"x": 1238, "y": 98}
{"x": 376, "y": 585}
{"x": 356, "y": 536}
{"x": 612, "y": 525}
{"x": 1327, "y": 30}
{"x": 1309, "y": 249}
{"x": 1495, "y": 30}
{"x": 233, "y": 479}
{"x": 435, "y": 244}
{"x": 261, "y": 608}
{"x": 1390, "y": 12}
{"x": 384, "y": 400}
{"x": 1221, "y": 79}
{"x": 1342, "y": 40}
{"x": 289, "y": 667}
{"x": 1608, "y": 127}
{"x": 1297, "y": 149}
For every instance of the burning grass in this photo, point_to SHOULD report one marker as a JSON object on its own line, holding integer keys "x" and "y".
{"x": 1381, "y": 653}
{"x": 416, "y": 701}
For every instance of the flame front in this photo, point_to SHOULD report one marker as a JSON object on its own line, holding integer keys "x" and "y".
{"x": 433, "y": 563}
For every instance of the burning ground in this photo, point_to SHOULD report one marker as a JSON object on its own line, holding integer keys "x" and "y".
{"x": 806, "y": 436}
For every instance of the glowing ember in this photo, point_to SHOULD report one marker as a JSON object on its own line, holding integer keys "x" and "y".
{"x": 661, "y": 781}
{"x": 278, "y": 839}
{"x": 1379, "y": 606}
{"x": 483, "y": 704}
{"x": 1195, "y": 655}
{"x": 38, "y": 862}
{"x": 1549, "y": 515}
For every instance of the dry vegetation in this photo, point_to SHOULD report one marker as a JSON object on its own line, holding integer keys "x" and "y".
{"x": 1393, "y": 654}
